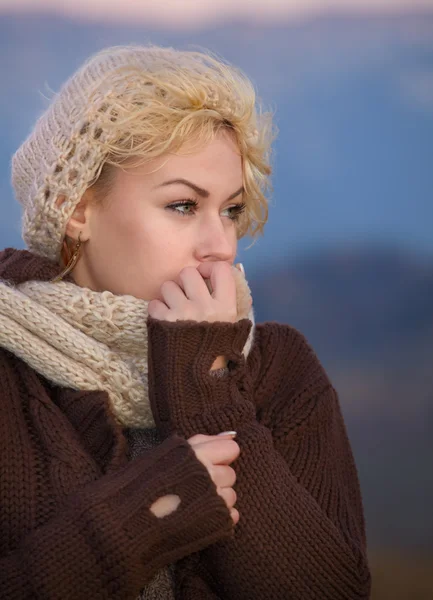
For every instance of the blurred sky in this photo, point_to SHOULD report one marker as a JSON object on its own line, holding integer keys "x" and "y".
{"x": 352, "y": 88}
{"x": 191, "y": 13}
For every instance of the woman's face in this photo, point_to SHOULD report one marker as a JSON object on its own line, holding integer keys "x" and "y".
{"x": 152, "y": 224}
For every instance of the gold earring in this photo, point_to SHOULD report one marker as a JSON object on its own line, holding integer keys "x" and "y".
{"x": 71, "y": 262}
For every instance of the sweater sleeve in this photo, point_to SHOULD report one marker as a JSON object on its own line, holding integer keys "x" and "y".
{"x": 301, "y": 529}
{"x": 105, "y": 542}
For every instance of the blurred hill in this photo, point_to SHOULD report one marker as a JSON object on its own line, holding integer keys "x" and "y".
{"x": 368, "y": 313}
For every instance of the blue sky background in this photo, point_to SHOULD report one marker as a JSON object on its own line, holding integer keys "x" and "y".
{"x": 353, "y": 100}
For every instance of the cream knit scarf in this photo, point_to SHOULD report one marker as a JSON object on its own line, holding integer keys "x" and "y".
{"x": 89, "y": 340}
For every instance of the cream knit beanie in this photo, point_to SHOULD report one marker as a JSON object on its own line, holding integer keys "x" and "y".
{"x": 62, "y": 156}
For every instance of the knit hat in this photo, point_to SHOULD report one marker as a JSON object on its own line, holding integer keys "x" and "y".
{"x": 65, "y": 152}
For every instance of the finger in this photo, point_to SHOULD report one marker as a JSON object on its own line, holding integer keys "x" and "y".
{"x": 219, "y": 452}
{"x": 228, "y": 495}
{"x": 193, "y": 284}
{"x": 205, "y": 269}
{"x": 222, "y": 281}
{"x": 200, "y": 438}
{"x": 234, "y": 513}
{"x": 172, "y": 295}
{"x": 157, "y": 309}
{"x": 223, "y": 476}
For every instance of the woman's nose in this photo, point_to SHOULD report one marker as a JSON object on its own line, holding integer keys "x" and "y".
{"x": 215, "y": 241}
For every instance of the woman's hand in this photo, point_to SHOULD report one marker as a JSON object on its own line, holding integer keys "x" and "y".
{"x": 216, "y": 452}
{"x": 189, "y": 299}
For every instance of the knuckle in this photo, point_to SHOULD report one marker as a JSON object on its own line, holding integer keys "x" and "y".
{"x": 231, "y": 475}
{"x": 234, "y": 447}
{"x": 214, "y": 475}
{"x": 198, "y": 438}
{"x": 166, "y": 285}
{"x": 186, "y": 271}
{"x": 209, "y": 313}
{"x": 156, "y": 309}
{"x": 232, "y": 496}
{"x": 235, "y": 515}
{"x": 232, "y": 314}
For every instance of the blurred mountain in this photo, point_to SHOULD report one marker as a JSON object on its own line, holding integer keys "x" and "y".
{"x": 381, "y": 297}
{"x": 368, "y": 313}
{"x": 353, "y": 97}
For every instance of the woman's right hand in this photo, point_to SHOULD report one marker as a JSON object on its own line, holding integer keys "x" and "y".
{"x": 216, "y": 453}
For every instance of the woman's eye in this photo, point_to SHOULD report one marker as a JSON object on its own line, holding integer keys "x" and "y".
{"x": 184, "y": 208}
{"x": 235, "y": 211}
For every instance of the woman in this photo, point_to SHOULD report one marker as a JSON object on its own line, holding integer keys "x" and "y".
{"x": 130, "y": 360}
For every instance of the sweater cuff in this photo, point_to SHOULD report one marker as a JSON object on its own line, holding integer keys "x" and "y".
{"x": 182, "y": 387}
{"x": 202, "y": 517}
{"x": 199, "y": 343}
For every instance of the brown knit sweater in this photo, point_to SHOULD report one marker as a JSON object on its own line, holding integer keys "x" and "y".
{"x": 74, "y": 513}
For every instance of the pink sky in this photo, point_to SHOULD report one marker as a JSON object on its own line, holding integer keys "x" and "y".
{"x": 181, "y": 13}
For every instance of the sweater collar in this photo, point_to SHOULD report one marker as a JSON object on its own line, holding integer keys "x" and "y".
{"x": 18, "y": 266}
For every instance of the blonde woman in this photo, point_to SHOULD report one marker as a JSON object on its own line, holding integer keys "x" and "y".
{"x": 154, "y": 441}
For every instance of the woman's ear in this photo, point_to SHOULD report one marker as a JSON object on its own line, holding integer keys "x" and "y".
{"x": 79, "y": 222}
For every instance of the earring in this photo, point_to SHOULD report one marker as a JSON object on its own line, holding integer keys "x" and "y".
{"x": 71, "y": 262}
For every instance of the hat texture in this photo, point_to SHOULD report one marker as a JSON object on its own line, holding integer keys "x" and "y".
{"x": 65, "y": 151}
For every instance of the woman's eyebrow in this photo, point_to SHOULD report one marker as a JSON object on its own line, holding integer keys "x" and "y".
{"x": 198, "y": 190}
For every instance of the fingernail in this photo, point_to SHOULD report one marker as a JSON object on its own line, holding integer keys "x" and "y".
{"x": 240, "y": 267}
{"x": 231, "y": 433}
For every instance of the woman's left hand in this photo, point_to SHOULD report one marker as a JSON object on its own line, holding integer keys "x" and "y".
{"x": 190, "y": 299}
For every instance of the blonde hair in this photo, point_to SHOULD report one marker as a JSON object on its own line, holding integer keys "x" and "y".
{"x": 181, "y": 97}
